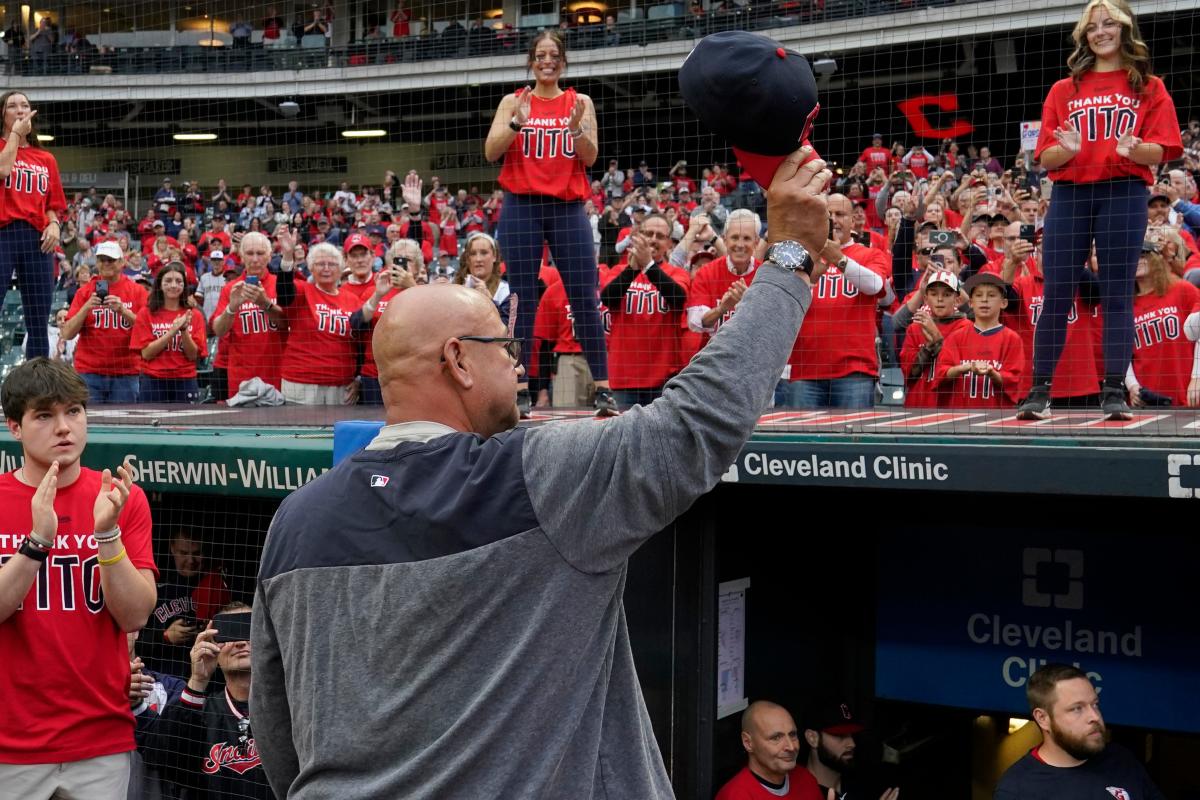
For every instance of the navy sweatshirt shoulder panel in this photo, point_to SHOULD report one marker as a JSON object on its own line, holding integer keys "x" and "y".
{"x": 415, "y": 502}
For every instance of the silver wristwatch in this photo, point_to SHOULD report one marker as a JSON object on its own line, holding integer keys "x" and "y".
{"x": 792, "y": 256}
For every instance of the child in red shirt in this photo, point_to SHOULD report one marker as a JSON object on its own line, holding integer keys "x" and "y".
{"x": 924, "y": 340}
{"x": 981, "y": 364}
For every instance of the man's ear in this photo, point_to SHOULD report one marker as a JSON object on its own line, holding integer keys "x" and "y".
{"x": 14, "y": 428}
{"x": 813, "y": 738}
{"x": 746, "y": 742}
{"x": 454, "y": 359}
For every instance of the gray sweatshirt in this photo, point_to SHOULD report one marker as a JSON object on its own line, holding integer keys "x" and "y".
{"x": 441, "y": 616}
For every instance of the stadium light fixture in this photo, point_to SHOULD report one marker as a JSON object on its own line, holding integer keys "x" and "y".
{"x": 363, "y": 133}
{"x": 825, "y": 66}
{"x": 45, "y": 137}
{"x": 195, "y": 137}
{"x": 1016, "y": 723}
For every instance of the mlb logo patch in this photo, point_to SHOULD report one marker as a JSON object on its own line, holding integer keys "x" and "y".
{"x": 379, "y": 480}
{"x": 1118, "y": 792}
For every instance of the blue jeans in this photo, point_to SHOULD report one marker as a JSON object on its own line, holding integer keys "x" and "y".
{"x": 370, "y": 394}
{"x": 853, "y": 391}
{"x": 526, "y": 221}
{"x": 627, "y": 398}
{"x": 167, "y": 390}
{"x": 21, "y": 251}
{"x": 111, "y": 388}
{"x": 1114, "y": 214}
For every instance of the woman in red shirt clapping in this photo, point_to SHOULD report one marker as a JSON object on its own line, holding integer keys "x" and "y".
{"x": 170, "y": 337}
{"x": 547, "y": 137}
{"x": 1103, "y": 128}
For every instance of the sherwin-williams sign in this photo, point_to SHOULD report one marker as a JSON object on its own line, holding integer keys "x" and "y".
{"x": 203, "y": 462}
{"x": 964, "y": 620}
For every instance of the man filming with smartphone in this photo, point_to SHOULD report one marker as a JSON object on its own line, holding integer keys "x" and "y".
{"x": 249, "y": 320}
{"x": 205, "y": 738}
{"x": 402, "y": 263}
{"x": 102, "y": 316}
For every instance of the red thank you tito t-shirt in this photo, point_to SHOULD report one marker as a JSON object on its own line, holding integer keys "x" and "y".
{"x": 64, "y": 686}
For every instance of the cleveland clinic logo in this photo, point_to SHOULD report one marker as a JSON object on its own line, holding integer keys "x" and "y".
{"x": 1052, "y": 578}
{"x": 1183, "y": 475}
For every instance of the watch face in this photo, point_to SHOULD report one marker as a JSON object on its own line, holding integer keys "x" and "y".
{"x": 791, "y": 255}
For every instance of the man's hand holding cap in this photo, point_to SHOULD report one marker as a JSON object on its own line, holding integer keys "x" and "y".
{"x": 796, "y": 203}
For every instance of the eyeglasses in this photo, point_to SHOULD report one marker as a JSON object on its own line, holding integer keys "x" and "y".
{"x": 511, "y": 344}
{"x": 542, "y": 58}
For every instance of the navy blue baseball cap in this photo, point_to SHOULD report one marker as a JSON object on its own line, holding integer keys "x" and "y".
{"x": 757, "y": 94}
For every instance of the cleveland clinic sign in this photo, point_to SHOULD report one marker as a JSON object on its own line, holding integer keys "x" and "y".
{"x": 964, "y": 619}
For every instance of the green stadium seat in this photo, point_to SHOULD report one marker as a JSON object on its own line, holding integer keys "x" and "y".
{"x": 205, "y": 365}
{"x": 9, "y": 361}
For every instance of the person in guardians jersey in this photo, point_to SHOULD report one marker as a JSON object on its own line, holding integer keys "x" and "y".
{"x": 76, "y": 572}
{"x": 1165, "y": 369}
{"x": 1103, "y": 128}
{"x": 645, "y": 299}
{"x": 205, "y": 737}
{"x": 548, "y": 138}
{"x": 249, "y": 320}
{"x": 169, "y": 337}
{"x": 318, "y": 359}
{"x": 1074, "y": 760}
{"x": 31, "y": 200}
{"x": 190, "y": 591}
{"x": 834, "y": 363}
{"x": 402, "y": 265}
{"x": 102, "y": 316}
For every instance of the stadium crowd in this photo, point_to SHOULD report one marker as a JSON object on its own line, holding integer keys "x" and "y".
{"x": 906, "y": 214}
{"x": 281, "y": 297}
{"x": 941, "y": 221}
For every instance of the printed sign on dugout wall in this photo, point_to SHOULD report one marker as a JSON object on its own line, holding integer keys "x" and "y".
{"x": 964, "y": 620}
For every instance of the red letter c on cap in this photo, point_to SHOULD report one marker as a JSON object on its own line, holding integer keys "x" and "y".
{"x": 913, "y": 109}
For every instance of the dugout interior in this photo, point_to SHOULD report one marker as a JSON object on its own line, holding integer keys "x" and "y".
{"x": 820, "y": 573}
